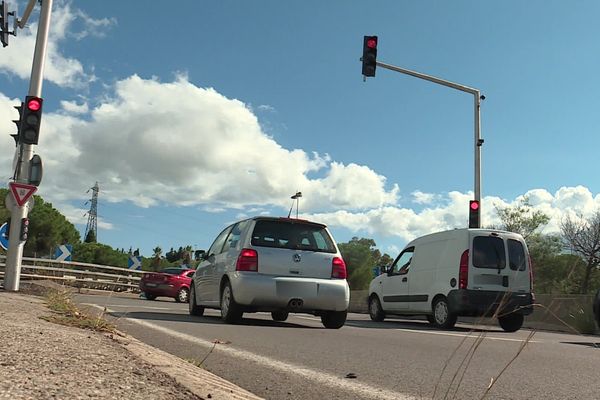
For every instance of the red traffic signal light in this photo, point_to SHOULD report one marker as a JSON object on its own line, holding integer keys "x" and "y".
{"x": 474, "y": 214}
{"x": 369, "y": 58}
{"x": 31, "y": 120}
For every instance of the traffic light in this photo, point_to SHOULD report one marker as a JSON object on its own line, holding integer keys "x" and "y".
{"x": 474, "y": 214}
{"x": 30, "y": 120}
{"x": 17, "y": 122}
{"x": 24, "y": 234}
{"x": 369, "y": 58}
{"x": 4, "y": 24}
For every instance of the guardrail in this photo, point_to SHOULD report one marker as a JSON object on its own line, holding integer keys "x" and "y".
{"x": 78, "y": 274}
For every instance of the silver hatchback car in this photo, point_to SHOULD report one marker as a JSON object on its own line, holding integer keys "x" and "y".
{"x": 277, "y": 265}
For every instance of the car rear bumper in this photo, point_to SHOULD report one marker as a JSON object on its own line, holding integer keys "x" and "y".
{"x": 485, "y": 302}
{"x": 161, "y": 289}
{"x": 266, "y": 292}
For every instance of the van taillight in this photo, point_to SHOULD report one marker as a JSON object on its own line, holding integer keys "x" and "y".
{"x": 530, "y": 274}
{"x": 247, "y": 261}
{"x": 338, "y": 268}
{"x": 463, "y": 271}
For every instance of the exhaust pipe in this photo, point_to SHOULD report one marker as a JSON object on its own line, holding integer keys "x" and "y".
{"x": 295, "y": 304}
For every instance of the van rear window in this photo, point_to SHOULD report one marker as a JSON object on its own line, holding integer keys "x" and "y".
{"x": 292, "y": 235}
{"x": 516, "y": 255}
{"x": 488, "y": 252}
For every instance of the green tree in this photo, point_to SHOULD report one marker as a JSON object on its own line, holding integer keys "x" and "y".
{"x": 361, "y": 256}
{"x": 522, "y": 218}
{"x": 47, "y": 227}
{"x": 98, "y": 253}
{"x": 583, "y": 237}
{"x": 156, "y": 258}
{"x": 91, "y": 237}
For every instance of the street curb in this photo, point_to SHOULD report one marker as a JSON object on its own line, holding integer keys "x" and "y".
{"x": 202, "y": 383}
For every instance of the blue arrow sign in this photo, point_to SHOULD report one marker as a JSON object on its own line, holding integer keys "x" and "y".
{"x": 63, "y": 252}
{"x": 134, "y": 262}
{"x": 4, "y": 236}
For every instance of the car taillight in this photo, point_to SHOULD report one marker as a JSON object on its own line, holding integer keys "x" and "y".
{"x": 338, "y": 268}
{"x": 247, "y": 261}
{"x": 463, "y": 270}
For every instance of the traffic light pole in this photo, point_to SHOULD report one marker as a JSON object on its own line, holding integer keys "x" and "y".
{"x": 477, "y": 97}
{"x": 12, "y": 274}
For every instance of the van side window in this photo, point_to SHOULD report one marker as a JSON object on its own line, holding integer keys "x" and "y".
{"x": 488, "y": 252}
{"x": 516, "y": 255}
{"x": 402, "y": 264}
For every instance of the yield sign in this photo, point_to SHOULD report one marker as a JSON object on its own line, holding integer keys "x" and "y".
{"x": 21, "y": 192}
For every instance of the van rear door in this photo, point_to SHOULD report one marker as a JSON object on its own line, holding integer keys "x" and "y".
{"x": 499, "y": 262}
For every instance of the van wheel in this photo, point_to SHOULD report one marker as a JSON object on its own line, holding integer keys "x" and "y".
{"x": 194, "y": 309}
{"x": 279, "y": 316}
{"x": 511, "y": 322}
{"x": 375, "y": 310}
{"x": 442, "y": 317}
{"x": 334, "y": 319}
{"x": 230, "y": 310}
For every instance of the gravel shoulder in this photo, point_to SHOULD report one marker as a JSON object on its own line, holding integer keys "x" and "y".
{"x": 43, "y": 360}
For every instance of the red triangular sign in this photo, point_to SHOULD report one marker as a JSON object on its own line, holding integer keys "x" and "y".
{"x": 21, "y": 192}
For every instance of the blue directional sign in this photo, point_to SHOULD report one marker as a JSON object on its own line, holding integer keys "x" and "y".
{"x": 4, "y": 236}
{"x": 134, "y": 262}
{"x": 63, "y": 252}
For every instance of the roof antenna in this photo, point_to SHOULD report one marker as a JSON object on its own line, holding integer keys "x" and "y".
{"x": 297, "y": 198}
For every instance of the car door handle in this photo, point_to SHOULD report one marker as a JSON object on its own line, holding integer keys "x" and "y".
{"x": 405, "y": 279}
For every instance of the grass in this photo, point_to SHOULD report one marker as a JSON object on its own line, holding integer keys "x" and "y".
{"x": 67, "y": 313}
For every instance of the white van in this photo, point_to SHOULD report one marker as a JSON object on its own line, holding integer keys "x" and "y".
{"x": 463, "y": 272}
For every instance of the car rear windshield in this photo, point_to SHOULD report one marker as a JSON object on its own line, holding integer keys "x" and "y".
{"x": 292, "y": 235}
{"x": 488, "y": 252}
{"x": 516, "y": 255}
{"x": 173, "y": 271}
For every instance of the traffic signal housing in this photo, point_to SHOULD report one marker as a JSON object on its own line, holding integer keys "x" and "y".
{"x": 17, "y": 122}
{"x": 31, "y": 120}
{"x": 4, "y": 23}
{"x": 369, "y": 58}
{"x": 474, "y": 214}
{"x": 24, "y": 234}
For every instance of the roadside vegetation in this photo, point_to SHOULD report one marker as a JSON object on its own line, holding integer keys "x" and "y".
{"x": 66, "y": 312}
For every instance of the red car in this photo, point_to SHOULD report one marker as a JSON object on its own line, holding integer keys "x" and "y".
{"x": 170, "y": 282}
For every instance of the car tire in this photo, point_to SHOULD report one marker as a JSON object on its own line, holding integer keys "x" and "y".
{"x": 279, "y": 316}
{"x": 442, "y": 317}
{"x": 149, "y": 296}
{"x": 194, "y": 309}
{"x": 182, "y": 295}
{"x": 231, "y": 312}
{"x": 511, "y": 322}
{"x": 375, "y": 310}
{"x": 334, "y": 319}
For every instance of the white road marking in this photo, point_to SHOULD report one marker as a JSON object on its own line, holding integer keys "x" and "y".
{"x": 117, "y": 306}
{"x": 311, "y": 375}
{"x": 471, "y": 335}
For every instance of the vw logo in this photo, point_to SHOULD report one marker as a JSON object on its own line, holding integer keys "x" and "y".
{"x": 297, "y": 258}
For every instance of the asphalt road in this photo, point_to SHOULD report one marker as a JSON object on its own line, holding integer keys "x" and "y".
{"x": 394, "y": 359}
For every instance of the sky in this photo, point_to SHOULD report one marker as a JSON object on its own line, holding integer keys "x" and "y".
{"x": 196, "y": 115}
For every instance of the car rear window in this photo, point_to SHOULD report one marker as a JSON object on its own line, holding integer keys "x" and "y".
{"x": 293, "y": 235}
{"x": 516, "y": 255}
{"x": 172, "y": 271}
{"x": 488, "y": 252}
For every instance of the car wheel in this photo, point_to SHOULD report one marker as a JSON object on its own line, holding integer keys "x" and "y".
{"x": 280, "y": 316}
{"x": 334, "y": 319}
{"x": 375, "y": 310}
{"x": 442, "y": 317}
{"x": 194, "y": 309}
{"x": 149, "y": 296}
{"x": 430, "y": 319}
{"x": 230, "y": 310}
{"x": 511, "y": 322}
{"x": 182, "y": 295}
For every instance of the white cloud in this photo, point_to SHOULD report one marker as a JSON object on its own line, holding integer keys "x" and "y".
{"x": 72, "y": 107}
{"x": 63, "y": 71}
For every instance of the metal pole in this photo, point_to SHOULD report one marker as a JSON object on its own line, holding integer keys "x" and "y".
{"x": 475, "y": 92}
{"x": 14, "y": 255}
